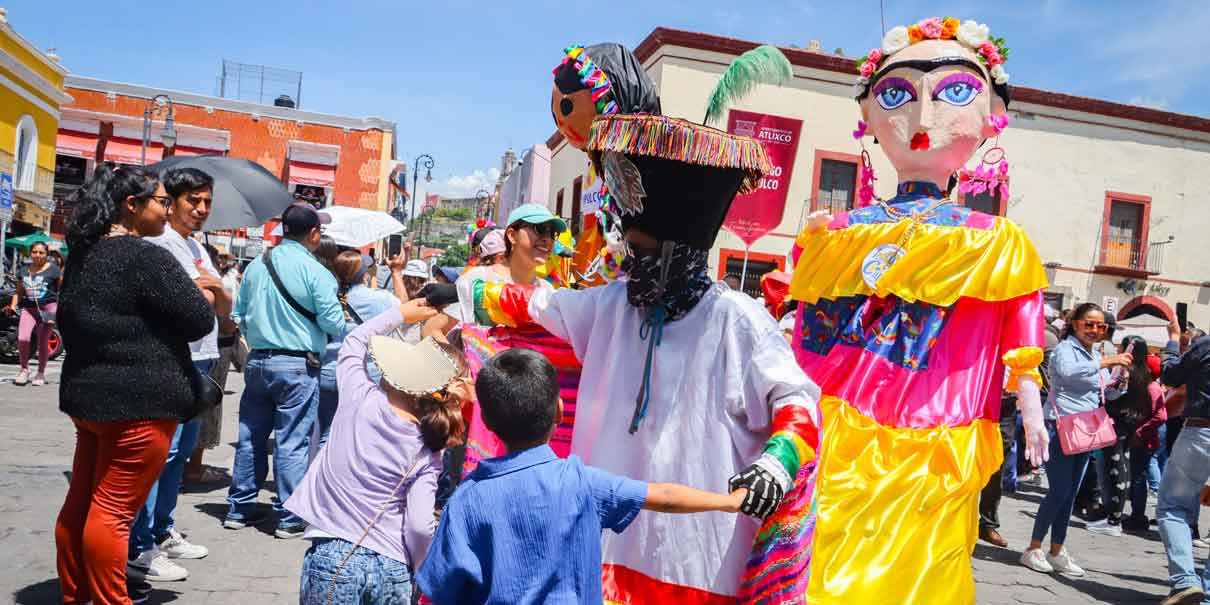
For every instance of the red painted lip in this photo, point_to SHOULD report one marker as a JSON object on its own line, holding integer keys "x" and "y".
{"x": 920, "y": 141}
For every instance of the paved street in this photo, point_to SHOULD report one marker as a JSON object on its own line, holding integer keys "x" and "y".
{"x": 250, "y": 566}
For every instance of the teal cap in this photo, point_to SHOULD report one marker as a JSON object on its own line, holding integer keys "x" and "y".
{"x": 535, "y": 214}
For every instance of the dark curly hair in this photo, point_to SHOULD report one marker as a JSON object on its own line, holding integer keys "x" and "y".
{"x": 98, "y": 204}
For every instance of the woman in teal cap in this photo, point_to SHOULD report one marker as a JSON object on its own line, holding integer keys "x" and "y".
{"x": 529, "y": 241}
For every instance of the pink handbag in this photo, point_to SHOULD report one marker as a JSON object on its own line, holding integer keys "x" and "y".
{"x": 1087, "y": 431}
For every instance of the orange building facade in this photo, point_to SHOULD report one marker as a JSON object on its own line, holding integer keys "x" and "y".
{"x": 322, "y": 158}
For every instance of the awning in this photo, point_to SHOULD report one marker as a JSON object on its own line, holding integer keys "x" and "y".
{"x": 79, "y": 144}
{"x": 306, "y": 173}
{"x": 187, "y": 150}
{"x": 129, "y": 151}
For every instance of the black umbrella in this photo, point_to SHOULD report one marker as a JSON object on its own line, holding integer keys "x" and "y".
{"x": 245, "y": 194}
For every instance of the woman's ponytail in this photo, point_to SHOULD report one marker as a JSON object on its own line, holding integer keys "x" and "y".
{"x": 441, "y": 423}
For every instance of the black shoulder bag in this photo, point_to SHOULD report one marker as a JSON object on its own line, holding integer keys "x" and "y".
{"x": 313, "y": 361}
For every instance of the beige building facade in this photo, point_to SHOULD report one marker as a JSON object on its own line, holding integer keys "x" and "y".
{"x": 1116, "y": 198}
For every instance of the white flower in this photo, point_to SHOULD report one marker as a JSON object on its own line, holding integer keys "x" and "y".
{"x": 999, "y": 75}
{"x": 972, "y": 34}
{"x": 895, "y": 40}
{"x": 859, "y": 86}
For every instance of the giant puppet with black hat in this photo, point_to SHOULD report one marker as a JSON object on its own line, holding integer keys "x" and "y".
{"x": 683, "y": 380}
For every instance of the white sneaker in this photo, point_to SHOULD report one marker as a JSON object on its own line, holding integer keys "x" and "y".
{"x": 1200, "y": 543}
{"x": 177, "y": 547}
{"x": 1063, "y": 564}
{"x": 22, "y": 378}
{"x": 1104, "y": 528}
{"x": 1035, "y": 560}
{"x": 154, "y": 566}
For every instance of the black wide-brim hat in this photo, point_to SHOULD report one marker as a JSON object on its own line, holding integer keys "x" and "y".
{"x": 671, "y": 178}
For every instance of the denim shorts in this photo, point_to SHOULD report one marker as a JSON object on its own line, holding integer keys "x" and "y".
{"x": 367, "y": 577}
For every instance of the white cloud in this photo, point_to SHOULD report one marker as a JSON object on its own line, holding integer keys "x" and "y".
{"x": 466, "y": 185}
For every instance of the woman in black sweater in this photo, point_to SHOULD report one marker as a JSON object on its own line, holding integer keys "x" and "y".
{"x": 127, "y": 313}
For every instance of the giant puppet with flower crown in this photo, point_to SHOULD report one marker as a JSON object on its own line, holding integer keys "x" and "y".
{"x": 683, "y": 379}
{"x": 912, "y": 309}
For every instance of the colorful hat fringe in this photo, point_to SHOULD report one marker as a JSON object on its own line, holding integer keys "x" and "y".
{"x": 683, "y": 141}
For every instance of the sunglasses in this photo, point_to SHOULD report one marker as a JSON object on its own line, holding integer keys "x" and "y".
{"x": 543, "y": 229}
{"x": 1092, "y": 325}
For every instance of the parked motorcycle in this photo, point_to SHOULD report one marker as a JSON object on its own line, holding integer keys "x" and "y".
{"x": 9, "y": 351}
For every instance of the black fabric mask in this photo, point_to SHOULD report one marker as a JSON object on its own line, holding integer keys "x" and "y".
{"x": 688, "y": 280}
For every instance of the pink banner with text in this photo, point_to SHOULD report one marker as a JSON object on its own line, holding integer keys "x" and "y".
{"x": 756, "y": 214}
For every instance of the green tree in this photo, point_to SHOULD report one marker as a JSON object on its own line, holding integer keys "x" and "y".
{"x": 456, "y": 255}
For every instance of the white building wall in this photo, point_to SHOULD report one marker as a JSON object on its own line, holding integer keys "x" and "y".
{"x": 1063, "y": 162}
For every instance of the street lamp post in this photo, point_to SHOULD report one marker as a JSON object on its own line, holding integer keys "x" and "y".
{"x": 481, "y": 200}
{"x": 158, "y": 103}
{"x": 428, "y": 178}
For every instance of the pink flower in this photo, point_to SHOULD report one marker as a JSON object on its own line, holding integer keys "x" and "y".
{"x": 867, "y": 69}
{"x": 875, "y": 55}
{"x": 860, "y": 132}
{"x": 987, "y": 49}
{"x": 998, "y": 122}
{"x": 931, "y": 28}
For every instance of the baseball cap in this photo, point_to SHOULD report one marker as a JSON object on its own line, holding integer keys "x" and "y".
{"x": 301, "y": 217}
{"x": 416, "y": 268}
{"x": 535, "y": 214}
{"x": 493, "y": 243}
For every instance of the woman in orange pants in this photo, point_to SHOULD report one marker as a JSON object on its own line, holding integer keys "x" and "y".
{"x": 127, "y": 377}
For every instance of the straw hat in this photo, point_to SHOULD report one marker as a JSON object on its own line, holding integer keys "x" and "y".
{"x": 418, "y": 369}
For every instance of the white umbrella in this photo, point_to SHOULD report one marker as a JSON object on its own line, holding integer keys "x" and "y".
{"x": 357, "y": 227}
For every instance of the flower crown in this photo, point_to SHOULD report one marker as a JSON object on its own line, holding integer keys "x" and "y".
{"x": 592, "y": 77}
{"x": 991, "y": 51}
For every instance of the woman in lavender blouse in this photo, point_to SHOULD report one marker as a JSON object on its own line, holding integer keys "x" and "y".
{"x": 368, "y": 496}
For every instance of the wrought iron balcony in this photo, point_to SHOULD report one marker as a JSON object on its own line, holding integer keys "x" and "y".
{"x": 1126, "y": 255}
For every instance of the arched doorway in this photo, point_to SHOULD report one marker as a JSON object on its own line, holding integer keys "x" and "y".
{"x": 1148, "y": 305}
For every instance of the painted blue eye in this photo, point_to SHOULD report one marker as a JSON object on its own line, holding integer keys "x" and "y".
{"x": 957, "y": 93}
{"x": 893, "y": 97}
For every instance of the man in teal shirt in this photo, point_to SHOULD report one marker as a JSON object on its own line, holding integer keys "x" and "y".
{"x": 281, "y": 378}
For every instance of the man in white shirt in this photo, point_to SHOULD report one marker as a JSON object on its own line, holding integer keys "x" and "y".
{"x": 153, "y": 538}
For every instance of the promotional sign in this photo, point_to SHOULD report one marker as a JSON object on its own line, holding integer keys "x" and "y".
{"x": 6, "y": 197}
{"x": 752, "y": 216}
{"x": 590, "y": 199}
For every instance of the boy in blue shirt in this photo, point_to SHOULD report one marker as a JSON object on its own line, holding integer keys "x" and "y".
{"x": 526, "y": 527}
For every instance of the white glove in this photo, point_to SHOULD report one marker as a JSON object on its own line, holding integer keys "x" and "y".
{"x": 1029, "y": 402}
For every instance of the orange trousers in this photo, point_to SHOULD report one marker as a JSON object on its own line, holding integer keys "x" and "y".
{"x": 115, "y": 465}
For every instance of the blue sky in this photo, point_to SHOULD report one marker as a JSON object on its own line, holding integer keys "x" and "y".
{"x": 466, "y": 80}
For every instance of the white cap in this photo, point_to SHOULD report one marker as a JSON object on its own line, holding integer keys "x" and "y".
{"x": 416, "y": 268}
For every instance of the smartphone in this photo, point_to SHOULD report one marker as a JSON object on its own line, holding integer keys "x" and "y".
{"x": 1182, "y": 316}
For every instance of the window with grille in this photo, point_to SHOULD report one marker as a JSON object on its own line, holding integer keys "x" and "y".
{"x": 836, "y": 181}
{"x": 1124, "y": 235}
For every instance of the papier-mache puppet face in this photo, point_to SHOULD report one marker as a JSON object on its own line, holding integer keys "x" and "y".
{"x": 601, "y": 79}
{"x": 928, "y": 105}
{"x": 573, "y": 110}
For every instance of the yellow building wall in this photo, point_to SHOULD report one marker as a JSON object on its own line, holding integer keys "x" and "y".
{"x": 13, "y": 106}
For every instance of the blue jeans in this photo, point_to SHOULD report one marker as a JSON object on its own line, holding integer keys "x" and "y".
{"x": 280, "y": 397}
{"x": 368, "y": 577}
{"x": 154, "y": 520}
{"x": 1064, "y": 474}
{"x": 1141, "y": 460}
{"x": 1187, "y": 469}
{"x": 328, "y": 399}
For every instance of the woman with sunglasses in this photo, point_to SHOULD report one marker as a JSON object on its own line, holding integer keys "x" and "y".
{"x": 127, "y": 313}
{"x": 1077, "y": 375}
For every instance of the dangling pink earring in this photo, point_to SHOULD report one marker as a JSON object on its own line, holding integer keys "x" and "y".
{"x": 865, "y": 194}
{"x": 992, "y": 172}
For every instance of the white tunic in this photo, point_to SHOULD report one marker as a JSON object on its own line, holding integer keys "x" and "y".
{"x": 719, "y": 375}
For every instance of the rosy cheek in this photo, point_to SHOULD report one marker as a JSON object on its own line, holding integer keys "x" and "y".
{"x": 902, "y": 128}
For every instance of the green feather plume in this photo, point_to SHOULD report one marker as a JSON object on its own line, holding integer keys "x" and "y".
{"x": 761, "y": 65}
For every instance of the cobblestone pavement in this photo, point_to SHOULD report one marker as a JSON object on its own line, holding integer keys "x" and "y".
{"x": 250, "y": 566}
